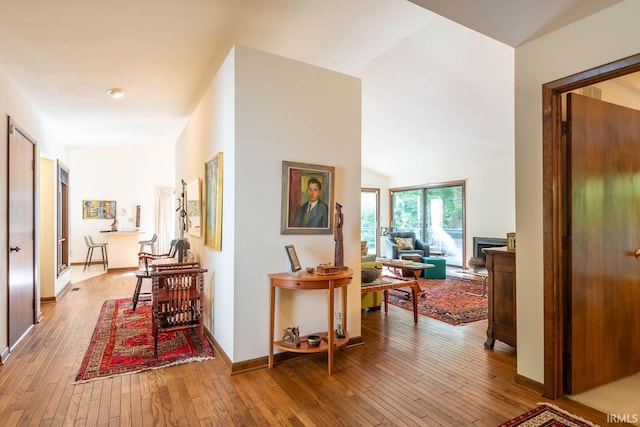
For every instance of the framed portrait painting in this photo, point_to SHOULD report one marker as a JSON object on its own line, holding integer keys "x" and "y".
{"x": 307, "y": 198}
{"x": 213, "y": 197}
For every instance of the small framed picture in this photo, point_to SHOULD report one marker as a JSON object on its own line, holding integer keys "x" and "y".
{"x": 293, "y": 258}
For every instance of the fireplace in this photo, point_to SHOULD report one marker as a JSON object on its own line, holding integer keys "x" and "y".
{"x": 479, "y": 243}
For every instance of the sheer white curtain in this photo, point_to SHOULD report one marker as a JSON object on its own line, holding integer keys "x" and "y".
{"x": 165, "y": 215}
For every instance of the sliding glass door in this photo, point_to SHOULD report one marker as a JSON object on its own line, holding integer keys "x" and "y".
{"x": 369, "y": 218}
{"x": 436, "y": 214}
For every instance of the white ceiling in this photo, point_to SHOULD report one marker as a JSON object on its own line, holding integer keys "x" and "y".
{"x": 426, "y": 80}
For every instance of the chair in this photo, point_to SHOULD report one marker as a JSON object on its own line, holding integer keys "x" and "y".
{"x": 177, "y": 299}
{"x": 410, "y": 245}
{"x": 91, "y": 245}
{"x": 146, "y": 266}
{"x": 151, "y": 243}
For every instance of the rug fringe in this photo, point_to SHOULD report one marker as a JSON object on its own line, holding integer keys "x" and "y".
{"x": 569, "y": 414}
{"x": 151, "y": 368}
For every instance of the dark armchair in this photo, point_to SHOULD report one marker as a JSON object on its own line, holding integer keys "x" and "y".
{"x": 416, "y": 247}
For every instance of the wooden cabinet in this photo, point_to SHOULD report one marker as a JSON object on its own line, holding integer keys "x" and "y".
{"x": 501, "y": 266}
{"x": 309, "y": 281}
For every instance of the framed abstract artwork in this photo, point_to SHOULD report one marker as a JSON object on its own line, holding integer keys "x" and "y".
{"x": 99, "y": 209}
{"x": 307, "y": 195}
{"x": 213, "y": 203}
{"x": 194, "y": 208}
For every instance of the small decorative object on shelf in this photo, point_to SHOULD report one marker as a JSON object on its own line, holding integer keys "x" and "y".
{"x": 291, "y": 337}
{"x": 326, "y": 269}
{"x": 511, "y": 241}
{"x": 339, "y": 328}
{"x": 310, "y": 270}
{"x": 314, "y": 340}
{"x": 114, "y": 224}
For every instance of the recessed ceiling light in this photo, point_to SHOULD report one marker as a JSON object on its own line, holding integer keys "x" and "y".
{"x": 116, "y": 92}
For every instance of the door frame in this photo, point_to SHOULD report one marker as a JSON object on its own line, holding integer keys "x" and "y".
{"x": 554, "y": 215}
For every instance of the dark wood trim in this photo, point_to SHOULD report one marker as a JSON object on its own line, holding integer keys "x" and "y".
{"x": 529, "y": 383}
{"x": 553, "y": 211}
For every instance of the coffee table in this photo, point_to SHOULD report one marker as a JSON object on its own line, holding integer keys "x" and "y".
{"x": 415, "y": 267}
{"x": 384, "y": 283}
{"x": 483, "y": 275}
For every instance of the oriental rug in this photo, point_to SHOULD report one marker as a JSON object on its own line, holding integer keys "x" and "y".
{"x": 446, "y": 300}
{"x": 547, "y": 415}
{"x": 122, "y": 343}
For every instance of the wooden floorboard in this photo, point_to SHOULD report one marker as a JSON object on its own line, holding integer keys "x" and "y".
{"x": 430, "y": 374}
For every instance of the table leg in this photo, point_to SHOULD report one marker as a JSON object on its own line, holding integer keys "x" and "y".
{"x": 330, "y": 333}
{"x": 386, "y": 301}
{"x": 344, "y": 309}
{"x": 271, "y": 324}
{"x": 484, "y": 288}
{"x": 417, "y": 274}
{"x": 415, "y": 288}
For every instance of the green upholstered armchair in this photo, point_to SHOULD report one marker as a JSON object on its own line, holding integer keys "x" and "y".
{"x": 405, "y": 242}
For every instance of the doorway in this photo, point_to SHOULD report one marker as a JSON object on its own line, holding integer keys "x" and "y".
{"x": 556, "y": 259}
{"x": 22, "y": 306}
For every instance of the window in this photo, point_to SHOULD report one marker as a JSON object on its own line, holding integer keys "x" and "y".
{"x": 436, "y": 214}
{"x": 62, "y": 211}
{"x": 370, "y": 218}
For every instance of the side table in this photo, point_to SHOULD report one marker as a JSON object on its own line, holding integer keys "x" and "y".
{"x": 310, "y": 281}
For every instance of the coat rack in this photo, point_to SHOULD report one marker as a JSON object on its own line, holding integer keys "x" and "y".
{"x": 183, "y": 244}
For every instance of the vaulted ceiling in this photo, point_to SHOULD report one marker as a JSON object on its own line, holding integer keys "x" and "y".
{"x": 426, "y": 79}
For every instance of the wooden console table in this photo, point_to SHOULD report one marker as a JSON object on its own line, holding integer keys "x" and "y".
{"x": 501, "y": 322}
{"x": 305, "y": 281}
{"x": 384, "y": 283}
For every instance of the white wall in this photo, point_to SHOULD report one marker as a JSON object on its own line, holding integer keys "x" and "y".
{"x": 130, "y": 175}
{"x": 596, "y": 40}
{"x": 260, "y": 110}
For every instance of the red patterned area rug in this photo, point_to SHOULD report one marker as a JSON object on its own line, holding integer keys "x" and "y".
{"x": 547, "y": 415}
{"x": 122, "y": 343}
{"x": 446, "y": 300}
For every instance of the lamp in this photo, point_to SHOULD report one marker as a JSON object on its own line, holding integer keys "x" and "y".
{"x": 115, "y": 92}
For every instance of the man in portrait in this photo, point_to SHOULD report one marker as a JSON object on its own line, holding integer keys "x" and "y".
{"x": 315, "y": 212}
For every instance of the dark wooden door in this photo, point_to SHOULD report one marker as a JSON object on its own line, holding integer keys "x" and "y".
{"x": 603, "y": 302}
{"x": 22, "y": 310}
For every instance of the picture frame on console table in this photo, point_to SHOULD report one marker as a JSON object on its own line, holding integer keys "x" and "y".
{"x": 213, "y": 197}
{"x": 293, "y": 258}
{"x": 307, "y": 186}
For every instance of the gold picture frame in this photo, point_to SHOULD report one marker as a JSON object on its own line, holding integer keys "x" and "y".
{"x": 302, "y": 182}
{"x": 213, "y": 198}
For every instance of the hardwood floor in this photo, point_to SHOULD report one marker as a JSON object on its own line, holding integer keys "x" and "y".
{"x": 429, "y": 374}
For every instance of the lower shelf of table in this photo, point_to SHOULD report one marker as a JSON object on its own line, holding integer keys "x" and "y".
{"x": 323, "y": 347}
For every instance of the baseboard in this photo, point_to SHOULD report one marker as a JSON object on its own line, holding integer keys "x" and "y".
{"x": 55, "y": 298}
{"x": 4, "y": 355}
{"x": 529, "y": 383}
{"x": 235, "y": 368}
